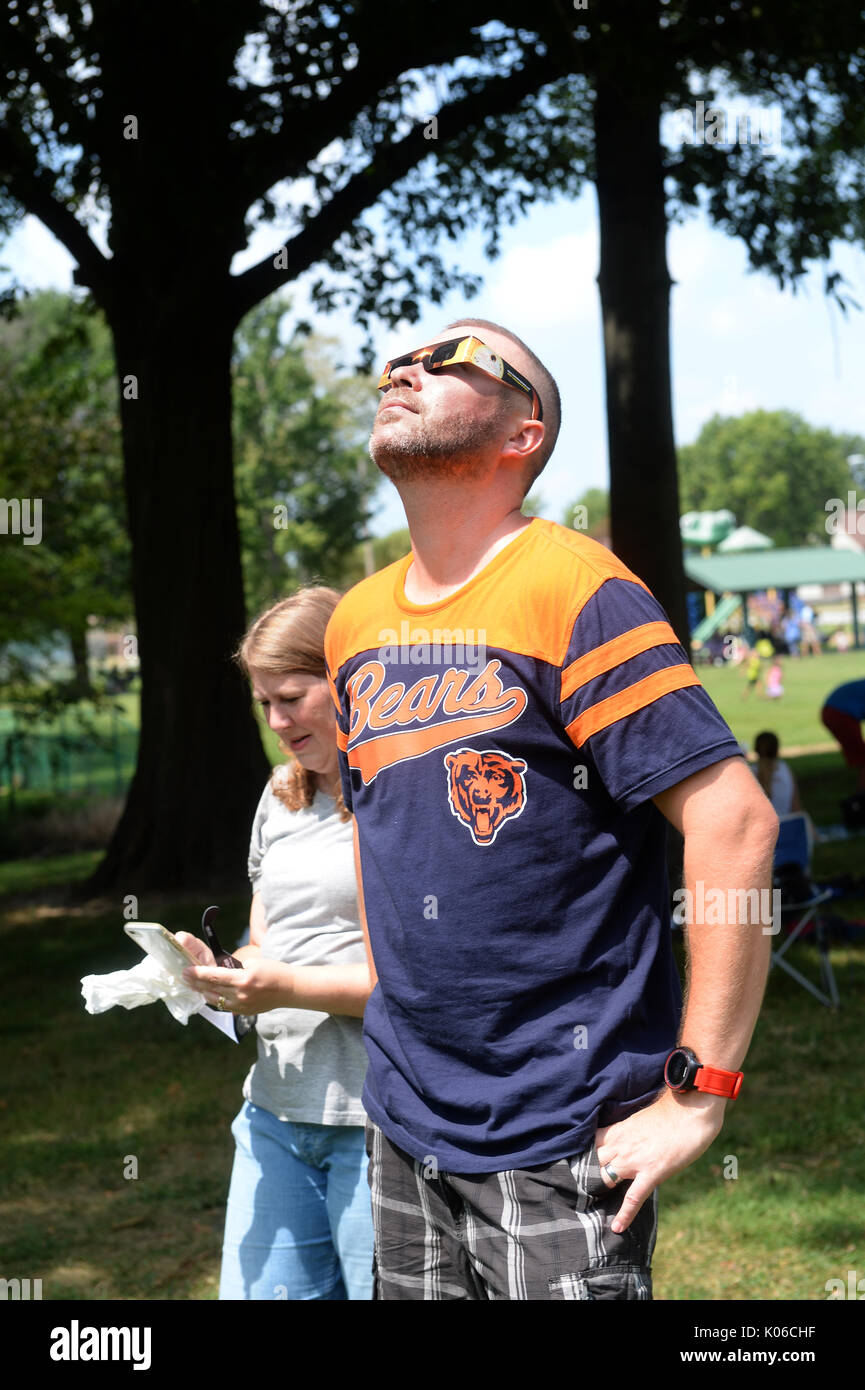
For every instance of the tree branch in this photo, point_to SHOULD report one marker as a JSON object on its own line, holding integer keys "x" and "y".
{"x": 288, "y": 152}
{"x": 390, "y": 163}
{"x": 31, "y": 187}
{"x": 22, "y": 54}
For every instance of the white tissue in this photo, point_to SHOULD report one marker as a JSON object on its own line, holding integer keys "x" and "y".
{"x": 143, "y": 984}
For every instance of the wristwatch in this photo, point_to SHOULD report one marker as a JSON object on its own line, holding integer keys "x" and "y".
{"x": 684, "y": 1072}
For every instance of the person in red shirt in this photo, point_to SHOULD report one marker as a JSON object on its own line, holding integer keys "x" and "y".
{"x": 842, "y": 714}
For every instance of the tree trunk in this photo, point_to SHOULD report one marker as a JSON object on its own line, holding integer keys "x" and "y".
{"x": 634, "y": 285}
{"x": 78, "y": 645}
{"x": 201, "y": 767}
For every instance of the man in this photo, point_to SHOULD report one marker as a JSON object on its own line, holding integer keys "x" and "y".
{"x": 517, "y": 719}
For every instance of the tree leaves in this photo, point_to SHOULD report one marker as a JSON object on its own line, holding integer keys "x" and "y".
{"x": 772, "y": 469}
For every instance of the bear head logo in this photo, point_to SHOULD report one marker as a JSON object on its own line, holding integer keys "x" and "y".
{"x": 485, "y": 789}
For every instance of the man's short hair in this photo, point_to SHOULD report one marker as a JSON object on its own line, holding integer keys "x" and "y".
{"x": 545, "y": 385}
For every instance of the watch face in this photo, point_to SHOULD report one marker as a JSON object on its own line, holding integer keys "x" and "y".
{"x": 677, "y": 1068}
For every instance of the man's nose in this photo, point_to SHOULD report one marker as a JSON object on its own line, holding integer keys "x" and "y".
{"x": 409, "y": 374}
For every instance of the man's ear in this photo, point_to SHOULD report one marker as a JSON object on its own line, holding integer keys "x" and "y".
{"x": 524, "y": 440}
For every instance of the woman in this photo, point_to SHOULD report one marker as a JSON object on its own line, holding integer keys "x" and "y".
{"x": 298, "y": 1224}
{"x": 774, "y": 775}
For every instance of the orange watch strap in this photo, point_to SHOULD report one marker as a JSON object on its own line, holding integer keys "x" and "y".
{"x": 719, "y": 1083}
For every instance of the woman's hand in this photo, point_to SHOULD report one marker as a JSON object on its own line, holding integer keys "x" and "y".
{"x": 199, "y": 949}
{"x": 260, "y": 986}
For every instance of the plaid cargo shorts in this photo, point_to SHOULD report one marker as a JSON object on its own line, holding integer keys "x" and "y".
{"x": 526, "y": 1233}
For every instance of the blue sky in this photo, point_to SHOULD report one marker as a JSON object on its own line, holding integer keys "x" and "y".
{"x": 738, "y": 343}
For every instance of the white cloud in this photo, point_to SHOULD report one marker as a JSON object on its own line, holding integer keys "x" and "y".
{"x": 547, "y": 285}
{"x": 690, "y": 248}
{"x": 724, "y": 321}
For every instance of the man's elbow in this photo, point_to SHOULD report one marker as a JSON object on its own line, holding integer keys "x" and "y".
{"x": 743, "y": 818}
{"x": 757, "y": 821}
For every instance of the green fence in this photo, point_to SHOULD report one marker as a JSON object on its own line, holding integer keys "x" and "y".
{"x": 65, "y": 760}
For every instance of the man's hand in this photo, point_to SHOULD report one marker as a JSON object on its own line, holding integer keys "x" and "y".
{"x": 655, "y": 1143}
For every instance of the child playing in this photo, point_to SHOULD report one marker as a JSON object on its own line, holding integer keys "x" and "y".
{"x": 752, "y": 674}
{"x": 774, "y": 681}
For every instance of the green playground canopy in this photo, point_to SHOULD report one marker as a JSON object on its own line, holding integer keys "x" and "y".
{"x": 748, "y": 571}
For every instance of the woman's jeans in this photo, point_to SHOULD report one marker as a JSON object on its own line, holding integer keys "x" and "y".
{"x": 299, "y": 1221}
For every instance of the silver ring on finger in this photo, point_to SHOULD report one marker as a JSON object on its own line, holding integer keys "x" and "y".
{"x": 611, "y": 1173}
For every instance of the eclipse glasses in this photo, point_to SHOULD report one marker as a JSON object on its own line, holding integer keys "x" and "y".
{"x": 469, "y": 351}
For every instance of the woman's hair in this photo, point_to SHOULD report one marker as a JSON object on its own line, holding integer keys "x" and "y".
{"x": 766, "y": 748}
{"x": 285, "y": 640}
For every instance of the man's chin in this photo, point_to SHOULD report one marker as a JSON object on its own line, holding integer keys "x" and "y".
{"x": 401, "y": 468}
{"x": 415, "y": 465}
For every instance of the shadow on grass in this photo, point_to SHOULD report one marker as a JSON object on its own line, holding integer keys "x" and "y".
{"x": 85, "y": 1094}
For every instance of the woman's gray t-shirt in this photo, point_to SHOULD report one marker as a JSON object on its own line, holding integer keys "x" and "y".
{"x": 311, "y": 1065}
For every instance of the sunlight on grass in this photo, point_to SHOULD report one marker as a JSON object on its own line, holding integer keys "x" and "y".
{"x": 38, "y": 875}
{"x": 795, "y": 717}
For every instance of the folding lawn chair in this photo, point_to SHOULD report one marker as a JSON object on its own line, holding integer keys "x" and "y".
{"x": 793, "y": 869}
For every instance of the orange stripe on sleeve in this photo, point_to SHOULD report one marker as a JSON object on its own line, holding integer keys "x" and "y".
{"x": 614, "y": 652}
{"x": 635, "y": 697}
{"x": 341, "y": 739}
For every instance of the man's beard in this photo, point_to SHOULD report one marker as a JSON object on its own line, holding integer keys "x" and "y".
{"x": 451, "y": 448}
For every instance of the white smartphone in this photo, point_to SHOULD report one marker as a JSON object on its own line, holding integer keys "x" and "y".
{"x": 159, "y": 943}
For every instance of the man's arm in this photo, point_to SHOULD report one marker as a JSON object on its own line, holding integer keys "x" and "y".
{"x": 729, "y": 829}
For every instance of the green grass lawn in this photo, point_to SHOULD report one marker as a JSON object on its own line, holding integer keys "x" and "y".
{"x": 84, "y": 1095}
{"x": 791, "y": 1218}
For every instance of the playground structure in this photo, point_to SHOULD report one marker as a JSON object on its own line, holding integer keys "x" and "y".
{"x": 767, "y": 581}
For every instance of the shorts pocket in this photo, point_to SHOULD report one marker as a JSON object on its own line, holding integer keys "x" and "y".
{"x": 586, "y": 1172}
{"x": 616, "y": 1283}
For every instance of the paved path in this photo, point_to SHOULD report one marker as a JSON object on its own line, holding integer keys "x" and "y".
{"x": 794, "y": 750}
